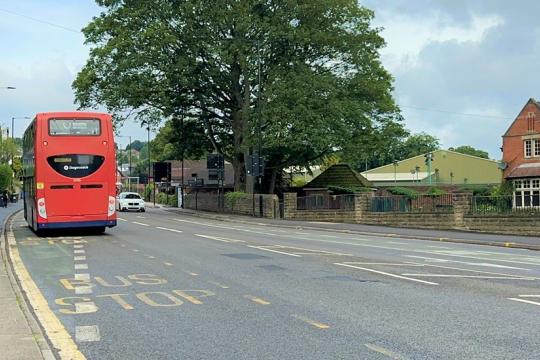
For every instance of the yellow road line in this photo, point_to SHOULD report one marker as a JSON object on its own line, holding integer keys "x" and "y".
{"x": 386, "y": 352}
{"x": 57, "y": 334}
{"x": 317, "y": 324}
{"x": 218, "y": 284}
{"x": 257, "y": 300}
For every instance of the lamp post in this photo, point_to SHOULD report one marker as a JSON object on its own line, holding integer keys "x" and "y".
{"x": 395, "y": 172}
{"x": 130, "y": 150}
{"x": 8, "y": 87}
{"x": 13, "y": 123}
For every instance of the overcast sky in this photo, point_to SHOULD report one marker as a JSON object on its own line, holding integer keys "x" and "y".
{"x": 449, "y": 58}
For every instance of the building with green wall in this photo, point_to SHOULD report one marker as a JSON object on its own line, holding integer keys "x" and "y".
{"x": 447, "y": 168}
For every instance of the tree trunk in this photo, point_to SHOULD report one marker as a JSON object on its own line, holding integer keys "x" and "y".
{"x": 272, "y": 186}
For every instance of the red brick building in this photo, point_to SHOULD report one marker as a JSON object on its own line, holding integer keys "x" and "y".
{"x": 521, "y": 155}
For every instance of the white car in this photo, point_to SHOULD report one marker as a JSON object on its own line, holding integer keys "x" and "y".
{"x": 129, "y": 201}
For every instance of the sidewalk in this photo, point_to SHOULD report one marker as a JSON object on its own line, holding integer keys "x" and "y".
{"x": 479, "y": 238}
{"x": 17, "y": 340}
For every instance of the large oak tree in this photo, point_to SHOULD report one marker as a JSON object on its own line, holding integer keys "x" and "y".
{"x": 302, "y": 77}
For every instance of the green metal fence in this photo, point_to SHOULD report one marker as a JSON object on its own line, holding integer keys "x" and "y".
{"x": 418, "y": 204}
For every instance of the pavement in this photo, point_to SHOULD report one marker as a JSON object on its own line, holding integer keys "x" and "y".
{"x": 470, "y": 237}
{"x": 20, "y": 337}
{"x": 165, "y": 285}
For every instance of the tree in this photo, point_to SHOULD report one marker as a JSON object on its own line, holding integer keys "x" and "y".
{"x": 176, "y": 140}
{"x": 6, "y": 175}
{"x": 285, "y": 75}
{"x": 136, "y": 145}
{"x": 417, "y": 144}
{"x": 469, "y": 150}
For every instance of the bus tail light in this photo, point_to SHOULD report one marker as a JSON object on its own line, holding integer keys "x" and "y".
{"x": 112, "y": 206}
{"x": 41, "y": 208}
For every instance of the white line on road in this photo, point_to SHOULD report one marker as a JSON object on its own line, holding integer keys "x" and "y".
{"x": 79, "y": 258}
{"x": 529, "y": 296}
{"x": 387, "y": 274}
{"x": 167, "y": 229}
{"x": 470, "y": 276}
{"x": 386, "y": 352}
{"x": 525, "y": 301}
{"x": 85, "y": 307}
{"x": 122, "y": 219}
{"x": 222, "y": 239}
{"x": 87, "y": 333}
{"x": 78, "y": 246}
{"x": 139, "y": 223}
{"x": 272, "y": 250}
{"x": 82, "y": 277}
{"x": 141, "y": 217}
{"x": 83, "y": 290}
{"x": 78, "y": 251}
{"x": 81, "y": 266}
{"x": 465, "y": 262}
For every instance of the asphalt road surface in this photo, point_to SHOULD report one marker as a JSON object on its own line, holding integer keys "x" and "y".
{"x": 167, "y": 286}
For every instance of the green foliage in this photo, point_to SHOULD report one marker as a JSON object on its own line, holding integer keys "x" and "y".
{"x": 231, "y": 198}
{"x": 504, "y": 189}
{"x": 136, "y": 145}
{"x": 298, "y": 182}
{"x": 321, "y": 85}
{"x": 337, "y": 190}
{"x": 174, "y": 138}
{"x": 469, "y": 150}
{"x": 402, "y": 191}
{"x": 418, "y": 144}
{"x": 482, "y": 190}
{"x": 6, "y": 175}
{"x": 148, "y": 192}
{"x": 161, "y": 198}
{"x": 435, "y": 191}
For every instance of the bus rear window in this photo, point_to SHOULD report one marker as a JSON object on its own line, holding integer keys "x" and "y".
{"x": 74, "y": 127}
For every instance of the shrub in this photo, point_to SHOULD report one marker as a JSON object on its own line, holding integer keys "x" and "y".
{"x": 504, "y": 189}
{"x": 173, "y": 201}
{"x": 148, "y": 192}
{"x": 161, "y": 198}
{"x": 409, "y": 193}
{"x": 481, "y": 190}
{"x": 337, "y": 190}
{"x": 6, "y": 174}
{"x": 435, "y": 191}
{"x": 231, "y": 198}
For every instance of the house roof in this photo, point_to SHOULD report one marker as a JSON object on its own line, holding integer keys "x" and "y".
{"x": 531, "y": 101}
{"x": 524, "y": 171}
{"x": 407, "y": 176}
{"x": 339, "y": 175}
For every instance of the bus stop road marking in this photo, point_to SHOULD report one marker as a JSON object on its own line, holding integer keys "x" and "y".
{"x": 311, "y": 322}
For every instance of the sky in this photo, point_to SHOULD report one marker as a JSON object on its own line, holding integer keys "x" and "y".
{"x": 463, "y": 69}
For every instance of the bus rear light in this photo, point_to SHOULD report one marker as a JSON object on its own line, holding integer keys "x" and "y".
{"x": 112, "y": 208}
{"x": 104, "y": 143}
{"x": 41, "y": 208}
{"x": 45, "y": 143}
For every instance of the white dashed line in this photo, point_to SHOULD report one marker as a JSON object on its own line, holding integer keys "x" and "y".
{"x": 83, "y": 290}
{"x": 167, "y": 229}
{"x": 79, "y": 251}
{"x": 139, "y": 223}
{"x": 81, "y": 266}
{"x": 525, "y": 301}
{"x": 87, "y": 333}
{"x": 272, "y": 250}
{"x": 82, "y": 277}
{"x": 79, "y": 258}
{"x": 122, "y": 219}
{"x": 78, "y": 246}
{"x": 85, "y": 307}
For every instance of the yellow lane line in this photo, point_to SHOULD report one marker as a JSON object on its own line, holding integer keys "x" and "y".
{"x": 257, "y": 300}
{"x": 57, "y": 334}
{"x": 218, "y": 284}
{"x": 317, "y": 324}
{"x": 386, "y": 352}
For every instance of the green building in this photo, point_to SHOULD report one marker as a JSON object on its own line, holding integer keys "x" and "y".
{"x": 447, "y": 168}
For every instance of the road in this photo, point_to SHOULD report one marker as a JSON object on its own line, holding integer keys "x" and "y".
{"x": 167, "y": 286}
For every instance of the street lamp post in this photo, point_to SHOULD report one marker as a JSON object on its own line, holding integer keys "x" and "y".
{"x": 8, "y": 87}
{"x": 13, "y": 123}
{"x": 130, "y": 150}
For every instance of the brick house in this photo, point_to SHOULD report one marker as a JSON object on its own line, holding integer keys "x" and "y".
{"x": 521, "y": 155}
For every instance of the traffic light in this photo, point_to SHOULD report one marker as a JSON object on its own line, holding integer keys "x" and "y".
{"x": 429, "y": 157}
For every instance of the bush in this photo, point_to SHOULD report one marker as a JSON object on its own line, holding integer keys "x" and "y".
{"x": 161, "y": 198}
{"x": 435, "y": 191}
{"x": 6, "y": 174}
{"x": 231, "y": 198}
{"x": 148, "y": 192}
{"x": 173, "y": 201}
{"x": 477, "y": 190}
{"x": 505, "y": 189}
{"x": 409, "y": 193}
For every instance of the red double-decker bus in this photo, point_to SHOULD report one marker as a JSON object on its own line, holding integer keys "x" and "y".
{"x": 69, "y": 171}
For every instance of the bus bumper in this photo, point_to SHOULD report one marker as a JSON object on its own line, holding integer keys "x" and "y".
{"x": 77, "y": 224}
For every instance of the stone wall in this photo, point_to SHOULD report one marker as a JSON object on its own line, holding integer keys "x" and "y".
{"x": 459, "y": 219}
{"x": 250, "y": 205}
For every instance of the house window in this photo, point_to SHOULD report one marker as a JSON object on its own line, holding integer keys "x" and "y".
{"x": 527, "y": 193}
{"x": 536, "y": 147}
{"x": 528, "y": 148}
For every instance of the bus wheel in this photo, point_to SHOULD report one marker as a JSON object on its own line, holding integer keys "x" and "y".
{"x": 98, "y": 230}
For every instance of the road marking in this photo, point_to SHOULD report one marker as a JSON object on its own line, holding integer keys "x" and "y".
{"x": 191, "y": 273}
{"x": 140, "y": 223}
{"x": 135, "y": 250}
{"x": 79, "y": 258}
{"x": 82, "y": 277}
{"x": 439, "y": 247}
{"x": 121, "y": 219}
{"x": 386, "y": 352}
{"x": 141, "y": 217}
{"x": 317, "y": 324}
{"x": 476, "y": 271}
{"x": 78, "y": 246}
{"x": 529, "y": 296}
{"x": 272, "y": 250}
{"x": 85, "y": 307}
{"x": 525, "y": 301}
{"x": 218, "y": 284}
{"x": 119, "y": 300}
{"x": 385, "y": 264}
{"x": 426, "y": 258}
{"x": 222, "y": 239}
{"x": 257, "y": 300}
{"x": 57, "y": 334}
{"x": 396, "y": 243}
{"x": 83, "y": 290}
{"x": 387, "y": 274}
{"x": 87, "y": 333}
{"x": 150, "y": 257}
{"x": 81, "y": 266}
{"x": 471, "y": 276}
{"x": 167, "y": 229}
{"x": 167, "y": 263}
{"x": 123, "y": 245}
{"x": 78, "y": 251}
